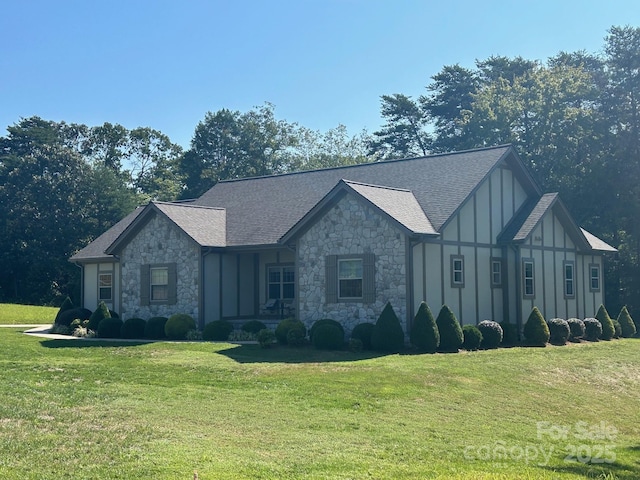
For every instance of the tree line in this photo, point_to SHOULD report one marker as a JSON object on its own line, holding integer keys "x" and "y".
{"x": 574, "y": 119}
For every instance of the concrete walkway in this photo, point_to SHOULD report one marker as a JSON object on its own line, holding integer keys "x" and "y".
{"x": 40, "y": 330}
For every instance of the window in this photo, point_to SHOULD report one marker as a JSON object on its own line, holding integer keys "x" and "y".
{"x": 594, "y": 278}
{"x": 569, "y": 279}
{"x": 159, "y": 284}
{"x": 457, "y": 271}
{"x": 528, "y": 280}
{"x": 350, "y": 278}
{"x": 496, "y": 273}
{"x": 105, "y": 284}
{"x": 281, "y": 282}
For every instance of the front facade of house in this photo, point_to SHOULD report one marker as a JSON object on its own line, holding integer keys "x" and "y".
{"x": 470, "y": 230}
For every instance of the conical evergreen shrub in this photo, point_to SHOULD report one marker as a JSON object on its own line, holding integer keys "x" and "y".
{"x": 96, "y": 317}
{"x": 424, "y": 333}
{"x": 626, "y": 323}
{"x": 67, "y": 304}
{"x": 608, "y": 329}
{"x": 536, "y": 331}
{"x": 387, "y": 334}
{"x": 451, "y": 336}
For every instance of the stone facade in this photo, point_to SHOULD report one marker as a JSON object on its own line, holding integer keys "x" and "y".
{"x": 351, "y": 228}
{"x": 160, "y": 242}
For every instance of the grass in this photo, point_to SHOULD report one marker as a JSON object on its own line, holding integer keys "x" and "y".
{"x": 104, "y": 410}
{"x": 13, "y": 314}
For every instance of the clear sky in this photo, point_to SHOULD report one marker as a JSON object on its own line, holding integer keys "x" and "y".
{"x": 164, "y": 64}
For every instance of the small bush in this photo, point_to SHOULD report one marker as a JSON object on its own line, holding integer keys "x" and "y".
{"x": 68, "y": 316}
{"x": 154, "y": 329}
{"x": 133, "y": 328}
{"x": 253, "y": 326}
{"x": 110, "y": 328}
{"x": 451, "y": 337}
{"x": 178, "y": 325}
{"x": 324, "y": 321}
{"x": 67, "y": 304}
{"x": 559, "y": 331}
{"x": 592, "y": 329}
{"x": 296, "y": 337}
{"x": 96, "y": 317}
{"x": 536, "y": 331}
{"x": 217, "y": 331}
{"x": 328, "y": 337}
{"x": 82, "y": 332}
{"x": 492, "y": 334}
{"x": 626, "y": 323}
{"x": 387, "y": 334}
{"x": 608, "y": 329}
{"x": 282, "y": 330}
{"x": 355, "y": 345}
{"x": 576, "y": 329}
{"x": 193, "y": 336}
{"x": 363, "y": 332}
{"x": 424, "y": 333}
{"x": 509, "y": 333}
{"x": 472, "y": 338}
{"x": 266, "y": 338}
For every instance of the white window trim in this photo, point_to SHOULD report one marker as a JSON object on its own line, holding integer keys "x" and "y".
{"x": 454, "y": 270}
{"x": 526, "y": 261}
{"x": 595, "y": 266}
{"x": 497, "y": 261}
{"x": 567, "y": 280}
{"x": 361, "y": 278}
{"x": 110, "y": 287}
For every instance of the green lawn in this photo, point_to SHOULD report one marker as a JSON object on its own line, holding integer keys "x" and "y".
{"x": 79, "y": 409}
{"x": 12, "y": 314}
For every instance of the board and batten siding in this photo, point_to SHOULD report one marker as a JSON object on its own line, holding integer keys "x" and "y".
{"x": 91, "y": 284}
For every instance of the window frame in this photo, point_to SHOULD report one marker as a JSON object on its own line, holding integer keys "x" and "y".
{"x": 146, "y": 288}
{"x": 598, "y": 277}
{"x": 455, "y": 259}
{"x": 108, "y": 273}
{"x": 566, "y": 281}
{"x": 281, "y": 268}
{"x": 341, "y": 279}
{"x": 368, "y": 278}
{"x": 165, "y": 297}
{"x": 525, "y": 262}
{"x": 497, "y": 261}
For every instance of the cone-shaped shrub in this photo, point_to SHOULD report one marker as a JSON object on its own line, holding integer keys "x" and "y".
{"x": 616, "y": 328}
{"x": 592, "y": 329}
{"x": 387, "y": 334}
{"x": 424, "y": 333}
{"x": 67, "y": 304}
{"x": 491, "y": 334}
{"x": 472, "y": 338}
{"x": 96, "y": 317}
{"x": 626, "y": 323}
{"x": 576, "y": 329}
{"x": 536, "y": 331}
{"x": 608, "y": 329}
{"x": 363, "y": 332}
{"x": 451, "y": 337}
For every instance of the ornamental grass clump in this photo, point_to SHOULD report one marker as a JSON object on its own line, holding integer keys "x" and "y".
{"x": 387, "y": 335}
{"x": 178, "y": 325}
{"x": 559, "y": 331}
{"x": 608, "y": 329}
{"x": 451, "y": 336}
{"x": 536, "y": 331}
{"x": 626, "y": 323}
{"x": 592, "y": 329}
{"x": 576, "y": 329}
{"x": 492, "y": 334}
{"x": 472, "y": 338}
{"x": 424, "y": 334}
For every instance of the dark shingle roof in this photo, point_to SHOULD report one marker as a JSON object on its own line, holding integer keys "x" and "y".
{"x": 205, "y": 225}
{"x": 526, "y": 219}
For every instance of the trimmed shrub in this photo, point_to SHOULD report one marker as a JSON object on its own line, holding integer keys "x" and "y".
{"x": 472, "y": 338}
{"x": 424, "y": 333}
{"x": 154, "y": 329}
{"x": 282, "y": 330}
{"x": 328, "y": 337}
{"x": 387, "y": 334}
{"x": 296, "y": 337}
{"x": 492, "y": 334}
{"x": 217, "y": 331}
{"x": 266, "y": 338}
{"x": 559, "y": 331}
{"x": 109, "y": 327}
{"x": 616, "y": 328}
{"x": 67, "y": 305}
{"x": 363, "y": 332}
{"x": 451, "y": 337}
{"x": 253, "y": 326}
{"x": 536, "y": 331}
{"x": 65, "y": 318}
{"x": 178, "y": 325}
{"x": 576, "y": 329}
{"x": 96, "y": 317}
{"x": 626, "y": 323}
{"x": 324, "y": 321}
{"x": 509, "y": 333}
{"x": 592, "y": 329}
{"x": 133, "y": 328}
{"x": 608, "y": 329}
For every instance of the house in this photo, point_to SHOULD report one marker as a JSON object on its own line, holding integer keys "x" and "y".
{"x": 468, "y": 229}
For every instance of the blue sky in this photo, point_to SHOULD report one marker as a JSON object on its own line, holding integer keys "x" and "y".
{"x": 164, "y": 64}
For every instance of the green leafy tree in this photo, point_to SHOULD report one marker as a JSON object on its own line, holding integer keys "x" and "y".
{"x": 424, "y": 333}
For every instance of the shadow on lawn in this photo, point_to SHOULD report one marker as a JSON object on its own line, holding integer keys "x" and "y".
{"x": 281, "y": 354}
{"x": 615, "y": 470}
{"x": 91, "y": 343}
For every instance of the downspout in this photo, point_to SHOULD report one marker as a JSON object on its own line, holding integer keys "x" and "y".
{"x": 517, "y": 282}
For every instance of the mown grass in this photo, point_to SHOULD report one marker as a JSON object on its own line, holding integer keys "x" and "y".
{"x": 13, "y": 314}
{"x": 103, "y": 410}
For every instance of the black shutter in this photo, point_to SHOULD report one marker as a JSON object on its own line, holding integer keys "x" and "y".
{"x": 331, "y": 280}
{"x": 172, "y": 297}
{"x": 145, "y": 285}
{"x": 368, "y": 278}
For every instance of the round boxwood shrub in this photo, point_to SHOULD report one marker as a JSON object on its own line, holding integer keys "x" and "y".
{"x": 328, "y": 337}
{"x": 324, "y": 321}
{"x": 133, "y": 328}
{"x": 592, "y": 329}
{"x": 67, "y": 305}
{"x": 217, "y": 331}
{"x": 363, "y": 332}
{"x": 266, "y": 338}
{"x": 282, "y": 330}
{"x": 559, "y": 331}
{"x": 626, "y": 323}
{"x": 472, "y": 338}
{"x": 608, "y": 329}
{"x": 576, "y": 329}
{"x": 424, "y": 334}
{"x": 536, "y": 331}
{"x": 68, "y": 316}
{"x": 492, "y": 334}
{"x": 154, "y": 329}
{"x": 96, "y": 317}
{"x": 387, "y": 334}
{"x": 109, "y": 328}
{"x": 178, "y": 325}
{"x": 451, "y": 337}
{"x": 253, "y": 326}
{"x": 509, "y": 333}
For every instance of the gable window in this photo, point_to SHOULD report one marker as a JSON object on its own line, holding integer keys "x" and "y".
{"x": 569, "y": 279}
{"x": 158, "y": 284}
{"x": 281, "y": 282}
{"x": 528, "y": 280}
{"x": 594, "y": 277}
{"x": 496, "y": 273}
{"x": 105, "y": 286}
{"x": 457, "y": 271}
{"x": 350, "y": 278}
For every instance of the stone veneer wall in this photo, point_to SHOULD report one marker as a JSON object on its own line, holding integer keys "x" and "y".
{"x": 160, "y": 241}
{"x": 352, "y": 228}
